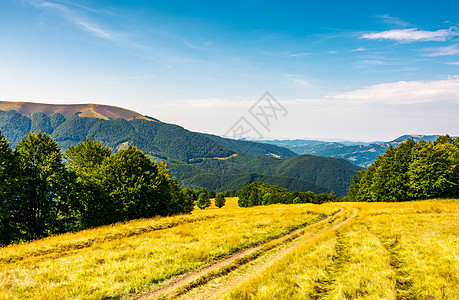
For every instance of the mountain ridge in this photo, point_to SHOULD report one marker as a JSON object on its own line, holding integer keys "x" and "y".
{"x": 90, "y": 110}
{"x": 360, "y": 154}
{"x": 195, "y": 159}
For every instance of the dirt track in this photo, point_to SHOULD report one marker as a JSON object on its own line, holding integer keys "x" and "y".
{"x": 180, "y": 286}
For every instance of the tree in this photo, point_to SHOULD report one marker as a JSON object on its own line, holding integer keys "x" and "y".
{"x": 212, "y": 194}
{"x": 203, "y": 201}
{"x": 39, "y": 205}
{"x": 411, "y": 171}
{"x": 220, "y": 200}
{"x": 136, "y": 186}
{"x": 434, "y": 171}
{"x": 90, "y": 199}
{"x": 10, "y": 183}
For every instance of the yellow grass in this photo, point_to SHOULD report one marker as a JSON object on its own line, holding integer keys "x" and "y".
{"x": 392, "y": 251}
{"x": 123, "y": 259}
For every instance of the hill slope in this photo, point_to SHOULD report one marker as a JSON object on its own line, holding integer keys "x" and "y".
{"x": 187, "y": 154}
{"x": 360, "y": 154}
{"x": 85, "y": 110}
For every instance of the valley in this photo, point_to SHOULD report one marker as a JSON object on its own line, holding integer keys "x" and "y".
{"x": 197, "y": 160}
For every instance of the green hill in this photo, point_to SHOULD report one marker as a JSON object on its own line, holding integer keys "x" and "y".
{"x": 196, "y": 159}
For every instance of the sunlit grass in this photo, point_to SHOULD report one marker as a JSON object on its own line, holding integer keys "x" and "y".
{"x": 119, "y": 260}
{"x": 392, "y": 251}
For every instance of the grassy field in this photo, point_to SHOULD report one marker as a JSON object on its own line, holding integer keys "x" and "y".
{"x": 389, "y": 251}
{"x": 120, "y": 260}
{"x": 392, "y": 251}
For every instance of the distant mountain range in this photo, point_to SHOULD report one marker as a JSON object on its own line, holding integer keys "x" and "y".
{"x": 196, "y": 159}
{"x": 360, "y": 154}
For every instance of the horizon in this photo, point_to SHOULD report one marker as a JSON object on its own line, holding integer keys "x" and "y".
{"x": 356, "y": 71}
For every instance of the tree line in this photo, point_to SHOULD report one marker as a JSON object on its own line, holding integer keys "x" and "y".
{"x": 44, "y": 191}
{"x": 259, "y": 193}
{"x": 410, "y": 171}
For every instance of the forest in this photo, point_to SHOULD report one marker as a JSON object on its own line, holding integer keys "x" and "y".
{"x": 197, "y": 160}
{"x": 410, "y": 171}
{"x": 259, "y": 193}
{"x": 44, "y": 191}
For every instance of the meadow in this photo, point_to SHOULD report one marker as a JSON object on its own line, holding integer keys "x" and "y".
{"x": 404, "y": 250}
{"x": 121, "y": 260}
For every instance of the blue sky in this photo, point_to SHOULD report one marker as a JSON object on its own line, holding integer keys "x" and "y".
{"x": 359, "y": 70}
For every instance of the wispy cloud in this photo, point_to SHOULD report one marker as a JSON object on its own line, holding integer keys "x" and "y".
{"x": 300, "y": 80}
{"x": 76, "y": 18}
{"x": 441, "y": 51}
{"x": 456, "y": 63}
{"x": 404, "y": 92}
{"x": 393, "y": 20}
{"x": 412, "y": 35}
{"x": 299, "y": 54}
{"x": 359, "y": 49}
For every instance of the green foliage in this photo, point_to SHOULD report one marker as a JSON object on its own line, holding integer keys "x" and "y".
{"x": 10, "y": 183}
{"x": 220, "y": 200}
{"x": 91, "y": 201}
{"x": 39, "y": 206}
{"x": 411, "y": 171}
{"x": 41, "y": 122}
{"x": 250, "y": 148}
{"x": 203, "y": 201}
{"x": 300, "y": 173}
{"x": 211, "y": 194}
{"x": 14, "y": 126}
{"x": 193, "y": 158}
{"x": 238, "y": 181}
{"x": 56, "y": 120}
{"x": 135, "y": 185}
{"x": 258, "y": 193}
{"x": 40, "y": 195}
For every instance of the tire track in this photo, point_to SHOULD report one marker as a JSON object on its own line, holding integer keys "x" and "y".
{"x": 184, "y": 283}
{"x": 230, "y": 285}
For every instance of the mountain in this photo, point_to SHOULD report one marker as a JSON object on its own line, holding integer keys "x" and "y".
{"x": 360, "y": 154}
{"x": 196, "y": 159}
{"x": 83, "y": 110}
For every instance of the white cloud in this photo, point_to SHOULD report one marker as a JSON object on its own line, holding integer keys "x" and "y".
{"x": 441, "y": 51}
{"x": 299, "y": 80}
{"x": 77, "y": 19}
{"x": 405, "y": 92}
{"x": 359, "y": 49}
{"x": 456, "y": 63}
{"x": 411, "y": 35}
{"x": 393, "y": 20}
{"x": 299, "y": 54}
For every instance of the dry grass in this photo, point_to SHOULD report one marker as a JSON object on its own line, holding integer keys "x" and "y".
{"x": 120, "y": 260}
{"x": 393, "y": 251}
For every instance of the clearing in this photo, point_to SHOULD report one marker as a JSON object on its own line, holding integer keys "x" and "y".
{"x": 331, "y": 251}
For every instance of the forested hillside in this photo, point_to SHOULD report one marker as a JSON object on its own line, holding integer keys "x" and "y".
{"x": 197, "y": 160}
{"x": 324, "y": 173}
{"x": 358, "y": 153}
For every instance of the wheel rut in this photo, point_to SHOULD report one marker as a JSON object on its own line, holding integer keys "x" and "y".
{"x": 182, "y": 285}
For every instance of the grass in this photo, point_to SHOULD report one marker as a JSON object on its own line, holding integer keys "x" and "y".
{"x": 392, "y": 251}
{"x": 123, "y": 259}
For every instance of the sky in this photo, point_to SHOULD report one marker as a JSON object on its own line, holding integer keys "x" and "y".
{"x": 354, "y": 70}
